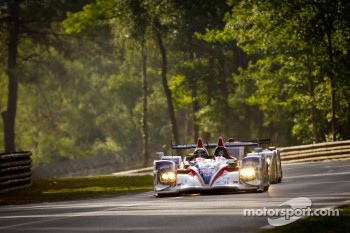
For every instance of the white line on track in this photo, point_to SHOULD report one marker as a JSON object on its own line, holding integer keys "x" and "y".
{"x": 323, "y": 174}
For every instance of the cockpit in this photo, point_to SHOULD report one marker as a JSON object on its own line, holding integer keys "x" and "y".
{"x": 201, "y": 153}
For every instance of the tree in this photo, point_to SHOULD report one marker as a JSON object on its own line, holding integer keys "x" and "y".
{"x": 297, "y": 46}
{"x": 135, "y": 18}
{"x": 9, "y": 115}
{"x": 206, "y": 67}
{"x": 20, "y": 23}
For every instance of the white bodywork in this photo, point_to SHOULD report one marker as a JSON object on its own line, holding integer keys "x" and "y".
{"x": 274, "y": 161}
{"x": 254, "y": 172}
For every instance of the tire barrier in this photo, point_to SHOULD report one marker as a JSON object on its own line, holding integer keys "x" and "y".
{"x": 15, "y": 171}
{"x": 316, "y": 152}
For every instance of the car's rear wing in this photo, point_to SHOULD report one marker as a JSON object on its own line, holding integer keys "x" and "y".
{"x": 207, "y": 145}
{"x": 260, "y": 141}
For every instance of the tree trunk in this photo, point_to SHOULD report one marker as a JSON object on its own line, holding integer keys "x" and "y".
{"x": 144, "y": 108}
{"x": 333, "y": 107}
{"x": 165, "y": 83}
{"x": 9, "y": 115}
{"x": 223, "y": 86}
{"x": 195, "y": 109}
{"x": 312, "y": 110}
{"x": 329, "y": 28}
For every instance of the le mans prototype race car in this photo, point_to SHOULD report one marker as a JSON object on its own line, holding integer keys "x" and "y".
{"x": 273, "y": 160}
{"x": 225, "y": 170}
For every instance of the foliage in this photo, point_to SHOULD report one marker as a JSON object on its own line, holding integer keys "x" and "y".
{"x": 291, "y": 42}
{"x": 241, "y": 69}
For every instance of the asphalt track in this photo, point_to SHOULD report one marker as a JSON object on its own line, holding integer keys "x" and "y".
{"x": 326, "y": 184}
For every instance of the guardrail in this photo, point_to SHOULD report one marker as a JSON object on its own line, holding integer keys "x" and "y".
{"x": 316, "y": 152}
{"x": 15, "y": 171}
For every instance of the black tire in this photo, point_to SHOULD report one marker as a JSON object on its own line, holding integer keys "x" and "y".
{"x": 160, "y": 195}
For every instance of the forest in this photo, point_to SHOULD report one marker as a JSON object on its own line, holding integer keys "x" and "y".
{"x": 92, "y": 77}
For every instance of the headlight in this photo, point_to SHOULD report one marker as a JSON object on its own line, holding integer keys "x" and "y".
{"x": 167, "y": 177}
{"x": 268, "y": 160}
{"x": 247, "y": 173}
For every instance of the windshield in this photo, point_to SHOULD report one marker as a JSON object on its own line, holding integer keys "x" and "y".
{"x": 250, "y": 162}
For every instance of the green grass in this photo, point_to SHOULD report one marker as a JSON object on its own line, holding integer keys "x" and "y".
{"x": 47, "y": 190}
{"x": 328, "y": 224}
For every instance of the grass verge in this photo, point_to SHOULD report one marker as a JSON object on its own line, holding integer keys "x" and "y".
{"x": 326, "y": 224}
{"x": 48, "y": 190}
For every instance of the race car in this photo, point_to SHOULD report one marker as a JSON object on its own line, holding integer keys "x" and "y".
{"x": 237, "y": 151}
{"x": 273, "y": 158}
{"x": 201, "y": 172}
{"x": 254, "y": 173}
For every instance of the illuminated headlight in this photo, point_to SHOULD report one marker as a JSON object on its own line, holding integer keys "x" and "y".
{"x": 167, "y": 177}
{"x": 248, "y": 173}
{"x": 268, "y": 160}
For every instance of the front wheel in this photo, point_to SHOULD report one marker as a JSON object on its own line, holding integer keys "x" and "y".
{"x": 159, "y": 195}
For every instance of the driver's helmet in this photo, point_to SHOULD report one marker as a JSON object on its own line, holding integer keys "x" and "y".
{"x": 221, "y": 152}
{"x": 201, "y": 153}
